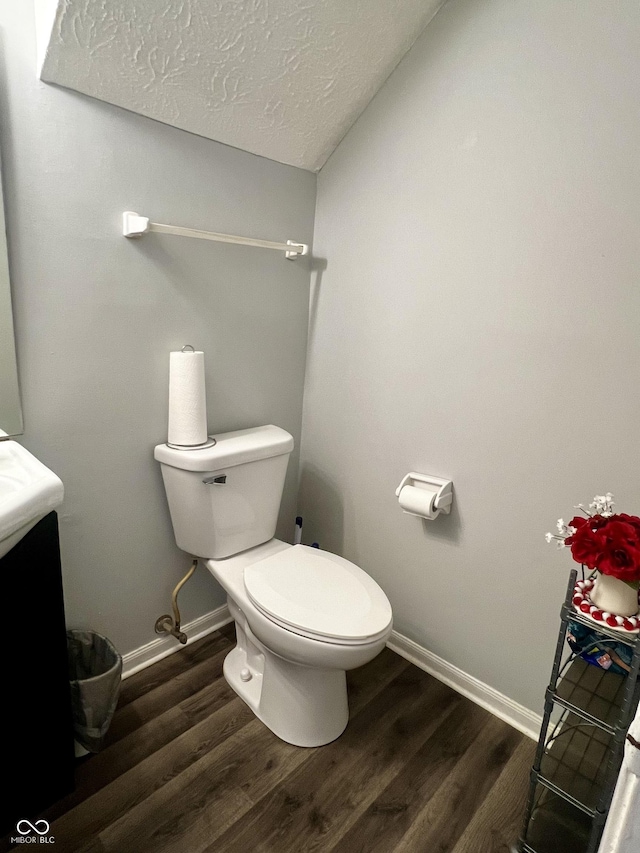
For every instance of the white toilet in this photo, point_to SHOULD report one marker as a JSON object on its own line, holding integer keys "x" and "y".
{"x": 303, "y": 616}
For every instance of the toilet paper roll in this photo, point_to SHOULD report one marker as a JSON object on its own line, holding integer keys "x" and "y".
{"x": 418, "y": 501}
{"x": 187, "y": 399}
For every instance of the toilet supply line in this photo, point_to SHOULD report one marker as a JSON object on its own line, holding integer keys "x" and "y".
{"x": 171, "y": 624}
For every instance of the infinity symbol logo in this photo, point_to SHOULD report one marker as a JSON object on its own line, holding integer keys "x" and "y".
{"x": 40, "y": 826}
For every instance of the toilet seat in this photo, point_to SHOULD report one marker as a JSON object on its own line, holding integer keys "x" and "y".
{"x": 318, "y": 595}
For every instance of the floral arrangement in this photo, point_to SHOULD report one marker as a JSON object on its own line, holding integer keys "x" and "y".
{"x": 603, "y": 540}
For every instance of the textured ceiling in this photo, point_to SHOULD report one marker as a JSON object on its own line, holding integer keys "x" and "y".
{"x": 281, "y": 78}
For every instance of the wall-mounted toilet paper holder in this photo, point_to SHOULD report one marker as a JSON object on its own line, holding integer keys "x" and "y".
{"x": 432, "y": 496}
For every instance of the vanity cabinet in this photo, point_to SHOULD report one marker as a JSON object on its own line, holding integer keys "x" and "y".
{"x": 36, "y": 738}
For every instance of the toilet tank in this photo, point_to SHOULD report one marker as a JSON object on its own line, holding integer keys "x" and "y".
{"x": 226, "y": 498}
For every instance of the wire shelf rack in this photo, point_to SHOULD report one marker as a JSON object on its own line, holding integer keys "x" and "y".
{"x": 587, "y": 713}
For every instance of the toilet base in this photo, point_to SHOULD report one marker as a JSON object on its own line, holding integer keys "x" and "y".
{"x": 304, "y": 706}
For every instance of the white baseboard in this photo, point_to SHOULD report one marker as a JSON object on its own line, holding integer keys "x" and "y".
{"x": 497, "y": 703}
{"x": 166, "y": 645}
{"x": 487, "y": 697}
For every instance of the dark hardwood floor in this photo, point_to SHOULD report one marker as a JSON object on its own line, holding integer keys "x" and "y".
{"x": 188, "y": 769}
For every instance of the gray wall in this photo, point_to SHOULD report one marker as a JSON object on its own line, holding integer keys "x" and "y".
{"x": 97, "y": 315}
{"x": 10, "y": 408}
{"x": 478, "y": 319}
{"x": 475, "y": 318}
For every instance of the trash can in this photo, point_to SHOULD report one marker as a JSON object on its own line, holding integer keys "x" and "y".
{"x": 95, "y": 670}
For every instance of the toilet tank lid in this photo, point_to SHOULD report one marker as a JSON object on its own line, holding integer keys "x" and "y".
{"x": 231, "y": 448}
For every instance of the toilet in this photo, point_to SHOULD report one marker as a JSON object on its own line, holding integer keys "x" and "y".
{"x": 303, "y": 616}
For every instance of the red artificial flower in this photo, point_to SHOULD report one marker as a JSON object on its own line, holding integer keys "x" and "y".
{"x": 620, "y": 549}
{"x": 598, "y": 521}
{"x": 633, "y": 520}
{"x": 579, "y": 521}
{"x": 608, "y": 543}
{"x": 585, "y": 544}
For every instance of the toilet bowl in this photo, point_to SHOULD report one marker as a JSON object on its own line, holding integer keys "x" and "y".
{"x": 303, "y": 616}
{"x": 291, "y": 677}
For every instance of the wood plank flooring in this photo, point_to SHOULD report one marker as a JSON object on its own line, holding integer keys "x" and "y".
{"x": 187, "y": 768}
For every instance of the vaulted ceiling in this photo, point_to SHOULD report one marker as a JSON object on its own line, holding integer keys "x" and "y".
{"x": 284, "y": 79}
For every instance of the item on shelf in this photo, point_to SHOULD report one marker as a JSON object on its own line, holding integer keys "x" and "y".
{"x": 608, "y": 543}
{"x": 598, "y": 650}
{"x": 583, "y": 603}
{"x": 615, "y": 596}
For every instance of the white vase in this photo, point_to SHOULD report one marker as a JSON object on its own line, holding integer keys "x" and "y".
{"x": 614, "y": 596}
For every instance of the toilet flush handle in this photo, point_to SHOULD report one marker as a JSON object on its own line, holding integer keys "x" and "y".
{"x": 215, "y": 481}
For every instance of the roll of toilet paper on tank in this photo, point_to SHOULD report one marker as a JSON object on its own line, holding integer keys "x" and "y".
{"x": 187, "y": 399}
{"x": 418, "y": 501}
